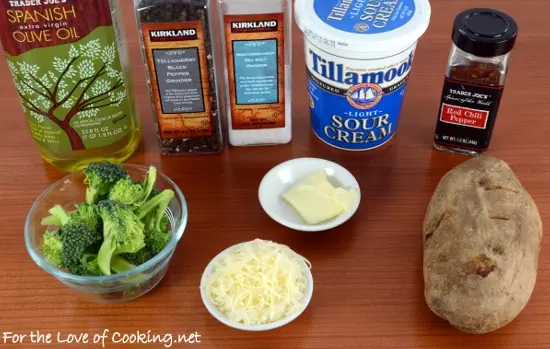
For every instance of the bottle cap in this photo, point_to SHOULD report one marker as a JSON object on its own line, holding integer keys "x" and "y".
{"x": 484, "y": 32}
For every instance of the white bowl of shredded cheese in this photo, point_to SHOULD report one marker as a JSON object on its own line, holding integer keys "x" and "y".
{"x": 257, "y": 286}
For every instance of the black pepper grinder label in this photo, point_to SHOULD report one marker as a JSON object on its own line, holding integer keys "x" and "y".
{"x": 467, "y": 114}
{"x": 178, "y": 68}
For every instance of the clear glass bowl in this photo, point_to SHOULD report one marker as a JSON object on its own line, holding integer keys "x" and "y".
{"x": 114, "y": 288}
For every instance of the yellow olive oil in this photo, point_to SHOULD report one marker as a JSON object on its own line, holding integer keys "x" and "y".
{"x": 70, "y": 71}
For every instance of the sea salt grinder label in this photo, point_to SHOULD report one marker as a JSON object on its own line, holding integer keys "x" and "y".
{"x": 65, "y": 65}
{"x": 255, "y": 56}
{"x": 176, "y": 58}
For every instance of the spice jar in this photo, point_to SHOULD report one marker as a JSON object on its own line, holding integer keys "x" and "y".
{"x": 257, "y": 63}
{"x": 475, "y": 78}
{"x": 177, "y": 47}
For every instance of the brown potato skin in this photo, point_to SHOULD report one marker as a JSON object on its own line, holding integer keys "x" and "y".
{"x": 482, "y": 234}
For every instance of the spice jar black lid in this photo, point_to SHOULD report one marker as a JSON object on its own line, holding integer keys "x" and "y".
{"x": 484, "y": 32}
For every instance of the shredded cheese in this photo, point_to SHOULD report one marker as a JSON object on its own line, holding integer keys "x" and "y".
{"x": 258, "y": 282}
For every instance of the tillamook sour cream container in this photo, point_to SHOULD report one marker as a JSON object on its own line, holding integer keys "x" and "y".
{"x": 359, "y": 55}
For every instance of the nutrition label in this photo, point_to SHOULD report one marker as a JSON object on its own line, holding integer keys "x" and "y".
{"x": 256, "y": 71}
{"x": 179, "y": 80}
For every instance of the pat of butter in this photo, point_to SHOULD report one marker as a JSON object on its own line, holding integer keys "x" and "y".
{"x": 316, "y": 200}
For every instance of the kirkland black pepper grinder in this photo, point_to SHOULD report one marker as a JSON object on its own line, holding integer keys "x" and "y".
{"x": 177, "y": 47}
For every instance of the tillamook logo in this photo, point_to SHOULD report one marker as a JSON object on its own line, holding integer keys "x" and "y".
{"x": 254, "y": 26}
{"x": 173, "y": 35}
{"x": 340, "y": 9}
{"x": 332, "y": 71}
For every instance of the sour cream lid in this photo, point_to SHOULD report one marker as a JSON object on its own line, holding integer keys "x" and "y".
{"x": 363, "y": 28}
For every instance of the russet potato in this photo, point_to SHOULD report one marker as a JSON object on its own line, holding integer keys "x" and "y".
{"x": 482, "y": 234}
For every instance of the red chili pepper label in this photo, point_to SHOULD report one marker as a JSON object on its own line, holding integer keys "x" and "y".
{"x": 464, "y": 116}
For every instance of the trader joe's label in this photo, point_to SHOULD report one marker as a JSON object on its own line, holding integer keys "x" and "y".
{"x": 65, "y": 65}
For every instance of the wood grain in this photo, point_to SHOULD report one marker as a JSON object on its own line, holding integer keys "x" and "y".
{"x": 368, "y": 273}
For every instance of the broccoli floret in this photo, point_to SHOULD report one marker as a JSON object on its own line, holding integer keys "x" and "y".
{"x": 121, "y": 225}
{"x": 52, "y": 247}
{"x": 161, "y": 201}
{"x": 122, "y": 232}
{"x": 100, "y": 178}
{"x": 58, "y": 217}
{"x": 85, "y": 212}
{"x": 88, "y": 266}
{"x": 88, "y": 214}
{"x": 78, "y": 237}
{"x": 134, "y": 193}
{"x": 126, "y": 191}
{"x": 137, "y": 258}
{"x": 148, "y": 185}
{"x": 79, "y": 232}
{"x": 153, "y": 213}
{"x": 157, "y": 237}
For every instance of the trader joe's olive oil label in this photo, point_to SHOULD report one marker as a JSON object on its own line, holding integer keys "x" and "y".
{"x": 65, "y": 64}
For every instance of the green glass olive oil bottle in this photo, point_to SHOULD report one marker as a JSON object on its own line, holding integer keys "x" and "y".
{"x": 70, "y": 70}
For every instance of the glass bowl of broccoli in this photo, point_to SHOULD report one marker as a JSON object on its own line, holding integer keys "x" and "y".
{"x": 108, "y": 231}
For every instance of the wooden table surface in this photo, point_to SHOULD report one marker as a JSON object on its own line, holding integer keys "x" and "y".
{"x": 368, "y": 273}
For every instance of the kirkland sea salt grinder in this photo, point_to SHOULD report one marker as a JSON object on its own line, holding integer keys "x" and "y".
{"x": 257, "y": 53}
{"x": 474, "y": 82}
{"x": 178, "y": 50}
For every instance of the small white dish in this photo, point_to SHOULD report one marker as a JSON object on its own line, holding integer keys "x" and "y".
{"x": 216, "y": 313}
{"x": 283, "y": 176}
